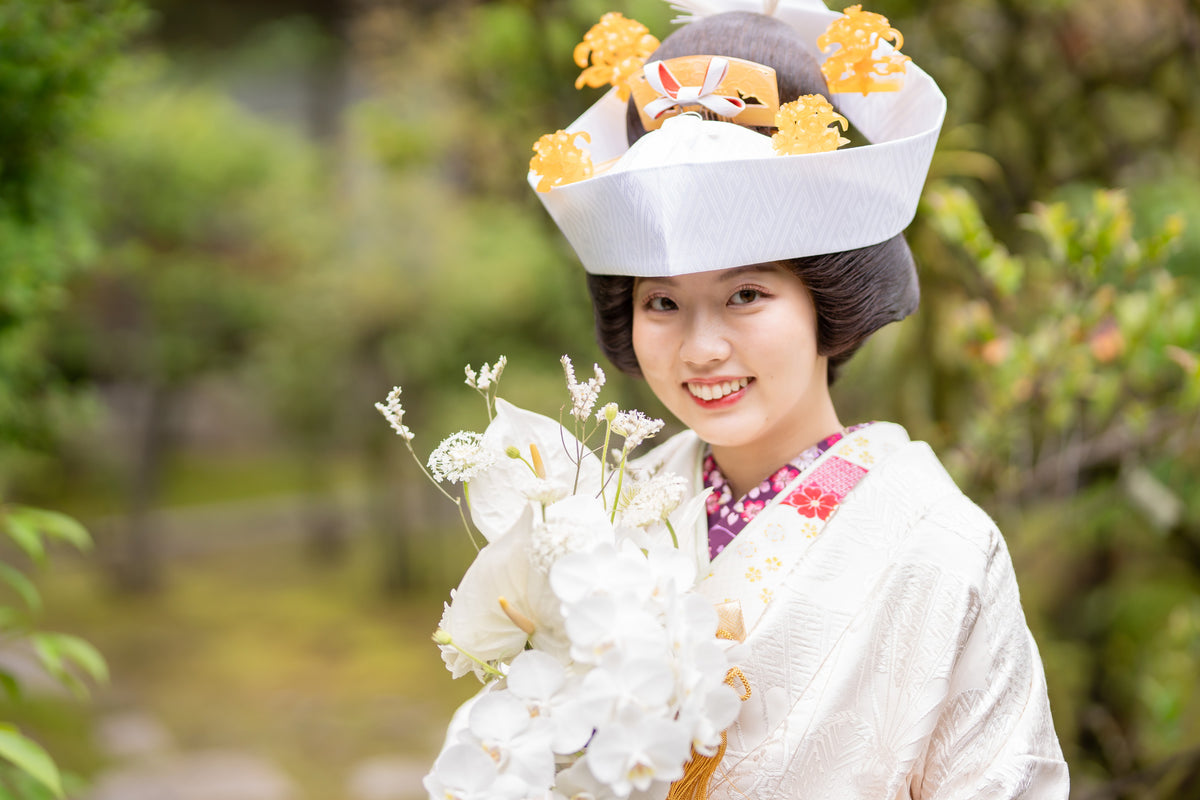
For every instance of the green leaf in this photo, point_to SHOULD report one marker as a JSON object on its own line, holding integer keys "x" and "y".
{"x": 82, "y": 654}
{"x": 21, "y": 585}
{"x": 58, "y": 525}
{"x": 25, "y": 535}
{"x": 11, "y": 619}
{"x": 59, "y": 651}
{"x": 30, "y": 758}
{"x": 11, "y": 686}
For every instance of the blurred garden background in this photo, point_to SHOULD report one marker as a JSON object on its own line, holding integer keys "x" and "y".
{"x": 228, "y": 228}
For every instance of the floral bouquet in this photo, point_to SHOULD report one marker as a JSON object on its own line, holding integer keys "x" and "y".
{"x": 603, "y": 674}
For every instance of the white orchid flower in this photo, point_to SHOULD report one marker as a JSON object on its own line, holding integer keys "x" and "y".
{"x": 519, "y": 743}
{"x": 600, "y": 624}
{"x": 466, "y": 772}
{"x": 629, "y": 756}
{"x": 603, "y": 570}
{"x": 550, "y": 692}
{"x": 709, "y": 716}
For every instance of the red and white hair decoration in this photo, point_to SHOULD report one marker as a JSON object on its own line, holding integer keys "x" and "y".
{"x": 672, "y": 93}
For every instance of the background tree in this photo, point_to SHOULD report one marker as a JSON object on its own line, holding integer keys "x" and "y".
{"x": 52, "y": 55}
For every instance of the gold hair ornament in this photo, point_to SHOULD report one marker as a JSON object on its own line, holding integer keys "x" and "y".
{"x": 560, "y": 160}
{"x": 862, "y": 63}
{"x": 806, "y": 125}
{"x": 618, "y": 48}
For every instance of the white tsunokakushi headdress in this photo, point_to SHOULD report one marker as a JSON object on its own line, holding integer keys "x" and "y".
{"x": 696, "y": 194}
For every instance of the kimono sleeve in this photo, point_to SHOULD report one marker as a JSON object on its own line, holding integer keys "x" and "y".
{"x": 994, "y": 736}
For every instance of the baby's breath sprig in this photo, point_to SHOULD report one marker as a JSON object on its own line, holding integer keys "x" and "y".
{"x": 583, "y": 400}
{"x": 635, "y": 427}
{"x": 393, "y": 412}
{"x": 486, "y": 382}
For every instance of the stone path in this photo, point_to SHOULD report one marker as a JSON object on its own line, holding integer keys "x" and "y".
{"x": 147, "y": 766}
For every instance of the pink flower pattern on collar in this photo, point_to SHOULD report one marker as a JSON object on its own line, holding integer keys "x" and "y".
{"x": 727, "y": 518}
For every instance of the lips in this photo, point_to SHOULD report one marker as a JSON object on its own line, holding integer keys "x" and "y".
{"x": 716, "y": 390}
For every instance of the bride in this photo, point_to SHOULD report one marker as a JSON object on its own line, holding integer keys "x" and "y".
{"x": 885, "y": 645}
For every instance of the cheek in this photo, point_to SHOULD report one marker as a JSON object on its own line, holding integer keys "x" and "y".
{"x": 643, "y": 346}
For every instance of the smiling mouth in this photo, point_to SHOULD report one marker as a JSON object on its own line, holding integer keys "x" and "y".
{"x": 715, "y": 391}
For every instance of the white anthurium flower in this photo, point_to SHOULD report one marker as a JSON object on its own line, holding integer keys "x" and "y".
{"x": 690, "y": 522}
{"x": 498, "y": 494}
{"x": 475, "y": 620}
{"x": 466, "y": 772}
{"x": 575, "y": 524}
{"x": 519, "y": 743}
{"x": 550, "y": 692}
{"x": 634, "y": 756}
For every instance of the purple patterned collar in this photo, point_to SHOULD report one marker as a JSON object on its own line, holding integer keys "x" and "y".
{"x": 727, "y": 518}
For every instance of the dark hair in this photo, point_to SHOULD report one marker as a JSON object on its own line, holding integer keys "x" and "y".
{"x": 856, "y": 292}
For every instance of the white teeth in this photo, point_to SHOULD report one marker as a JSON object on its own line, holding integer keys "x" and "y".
{"x": 710, "y": 391}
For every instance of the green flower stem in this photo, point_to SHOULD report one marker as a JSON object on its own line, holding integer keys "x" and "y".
{"x": 620, "y": 479}
{"x": 457, "y": 501}
{"x": 442, "y": 637}
{"x": 671, "y": 530}
{"x": 604, "y": 462}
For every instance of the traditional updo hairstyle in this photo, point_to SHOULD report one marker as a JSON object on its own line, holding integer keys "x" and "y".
{"x": 855, "y": 292}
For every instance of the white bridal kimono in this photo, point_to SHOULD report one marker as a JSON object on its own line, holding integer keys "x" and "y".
{"x": 885, "y": 650}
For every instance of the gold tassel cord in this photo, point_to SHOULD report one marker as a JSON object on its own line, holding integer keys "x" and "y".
{"x": 697, "y": 775}
{"x": 699, "y": 771}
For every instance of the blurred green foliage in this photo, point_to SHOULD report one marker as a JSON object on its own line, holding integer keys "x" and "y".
{"x": 52, "y": 56}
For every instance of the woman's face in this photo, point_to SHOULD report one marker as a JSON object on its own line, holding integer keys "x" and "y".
{"x": 733, "y": 354}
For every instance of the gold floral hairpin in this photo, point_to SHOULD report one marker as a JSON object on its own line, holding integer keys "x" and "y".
{"x": 559, "y": 160}
{"x": 806, "y": 126}
{"x": 863, "y": 62}
{"x": 618, "y": 48}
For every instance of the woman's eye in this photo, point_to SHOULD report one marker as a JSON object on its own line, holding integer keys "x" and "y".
{"x": 745, "y": 296}
{"x": 660, "y": 303}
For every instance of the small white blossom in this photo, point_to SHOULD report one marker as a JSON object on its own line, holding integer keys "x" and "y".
{"x": 393, "y": 412}
{"x": 460, "y": 457}
{"x": 575, "y": 524}
{"x": 636, "y": 427}
{"x": 652, "y": 500}
{"x": 583, "y": 395}
{"x": 608, "y": 412}
{"x": 487, "y": 376}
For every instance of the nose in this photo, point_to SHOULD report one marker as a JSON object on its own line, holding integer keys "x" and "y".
{"x": 705, "y": 340}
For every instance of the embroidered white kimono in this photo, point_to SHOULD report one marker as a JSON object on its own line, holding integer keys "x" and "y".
{"x": 886, "y": 651}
